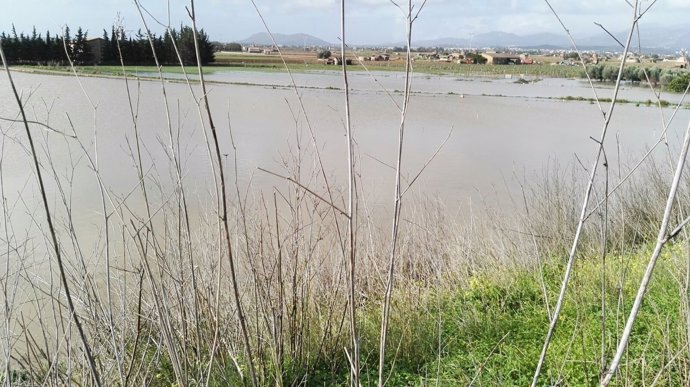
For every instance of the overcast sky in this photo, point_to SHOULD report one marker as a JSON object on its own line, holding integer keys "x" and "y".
{"x": 369, "y": 21}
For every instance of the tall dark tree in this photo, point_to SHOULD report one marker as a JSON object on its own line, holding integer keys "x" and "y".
{"x": 21, "y": 48}
{"x": 206, "y": 48}
{"x": 185, "y": 43}
{"x": 81, "y": 53}
{"x": 66, "y": 43}
{"x": 114, "y": 44}
{"x": 106, "y": 49}
{"x": 49, "y": 49}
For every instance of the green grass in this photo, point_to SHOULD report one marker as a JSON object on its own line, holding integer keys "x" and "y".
{"x": 117, "y": 70}
{"x": 432, "y": 68}
{"x": 492, "y": 328}
{"x": 662, "y": 102}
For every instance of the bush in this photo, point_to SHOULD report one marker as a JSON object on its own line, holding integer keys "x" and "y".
{"x": 324, "y": 54}
{"x": 679, "y": 83}
{"x": 676, "y": 80}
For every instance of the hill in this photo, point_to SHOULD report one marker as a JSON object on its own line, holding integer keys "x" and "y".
{"x": 662, "y": 39}
{"x": 297, "y": 40}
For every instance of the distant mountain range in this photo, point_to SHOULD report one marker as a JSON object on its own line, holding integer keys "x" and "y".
{"x": 661, "y": 39}
{"x": 263, "y": 39}
{"x": 497, "y": 39}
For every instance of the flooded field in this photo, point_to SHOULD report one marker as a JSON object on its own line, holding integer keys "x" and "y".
{"x": 501, "y": 136}
{"x": 497, "y": 144}
{"x": 499, "y": 129}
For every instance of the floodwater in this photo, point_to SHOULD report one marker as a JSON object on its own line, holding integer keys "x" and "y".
{"x": 378, "y": 81}
{"x": 500, "y": 132}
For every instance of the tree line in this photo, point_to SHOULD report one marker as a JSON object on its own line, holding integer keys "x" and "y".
{"x": 116, "y": 45}
{"x": 673, "y": 79}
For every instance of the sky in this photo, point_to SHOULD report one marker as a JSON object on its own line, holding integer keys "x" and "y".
{"x": 368, "y": 21}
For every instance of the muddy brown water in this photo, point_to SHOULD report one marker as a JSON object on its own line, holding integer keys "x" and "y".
{"x": 503, "y": 133}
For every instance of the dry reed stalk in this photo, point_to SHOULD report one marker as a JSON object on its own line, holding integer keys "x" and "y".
{"x": 410, "y": 18}
{"x": 224, "y": 210}
{"x": 662, "y": 239}
{"x": 94, "y": 161}
{"x": 352, "y": 255}
{"x": 208, "y": 142}
{"x": 588, "y": 192}
{"x": 330, "y": 200}
{"x": 58, "y": 254}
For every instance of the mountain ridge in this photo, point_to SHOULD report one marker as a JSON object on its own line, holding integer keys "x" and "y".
{"x": 298, "y": 39}
{"x": 665, "y": 38}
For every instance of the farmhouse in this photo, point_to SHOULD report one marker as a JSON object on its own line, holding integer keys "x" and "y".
{"x": 335, "y": 60}
{"x": 525, "y": 59}
{"x": 380, "y": 58}
{"x": 253, "y": 50}
{"x": 501, "y": 58}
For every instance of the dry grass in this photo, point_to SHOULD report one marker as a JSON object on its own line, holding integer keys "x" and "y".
{"x": 269, "y": 288}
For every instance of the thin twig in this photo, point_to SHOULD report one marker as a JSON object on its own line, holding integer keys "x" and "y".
{"x": 661, "y": 241}
{"x": 397, "y": 199}
{"x": 588, "y": 192}
{"x": 56, "y": 246}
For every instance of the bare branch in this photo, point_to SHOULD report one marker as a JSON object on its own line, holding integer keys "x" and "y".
{"x": 429, "y": 161}
{"x": 585, "y": 204}
{"x": 609, "y": 34}
{"x": 44, "y": 126}
{"x": 342, "y": 212}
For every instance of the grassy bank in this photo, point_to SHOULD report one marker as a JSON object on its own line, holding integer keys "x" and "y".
{"x": 472, "y": 306}
{"x": 488, "y": 330}
{"x": 431, "y": 68}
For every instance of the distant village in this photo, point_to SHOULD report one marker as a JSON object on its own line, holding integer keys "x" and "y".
{"x": 512, "y": 56}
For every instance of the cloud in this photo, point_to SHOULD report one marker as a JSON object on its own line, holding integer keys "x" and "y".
{"x": 674, "y": 5}
{"x": 293, "y": 4}
{"x": 309, "y": 4}
{"x": 368, "y": 20}
{"x": 373, "y": 2}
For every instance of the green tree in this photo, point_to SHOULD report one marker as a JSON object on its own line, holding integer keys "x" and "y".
{"x": 206, "y": 48}
{"x": 169, "y": 47}
{"x": 185, "y": 44}
{"x": 596, "y": 72}
{"x": 81, "y": 53}
{"x": 324, "y": 54}
{"x": 654, "y": 74}
{"x": 49, "y": 48}
{"x": 115, "y": 41}
{"x": 106, "y": 49}
{"x": 478, "y": 59}
{"x": 236, "y": 47}
{"x": 609, "y": 73}
{"x": 66, "y": 43}
{"x": 680, "y": 82}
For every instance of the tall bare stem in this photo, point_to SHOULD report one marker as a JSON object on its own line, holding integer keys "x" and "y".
{"x": 350, "y": 207}
{"x": 56, "y": 246}
{"x": 662, "y": 238}
{"x": 585, "y": 204}
{"x": 397, "y": 199}
{"x": 224, "y": 204}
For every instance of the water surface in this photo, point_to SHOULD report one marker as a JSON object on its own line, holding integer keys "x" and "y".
{"x": 500, "y": 130}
